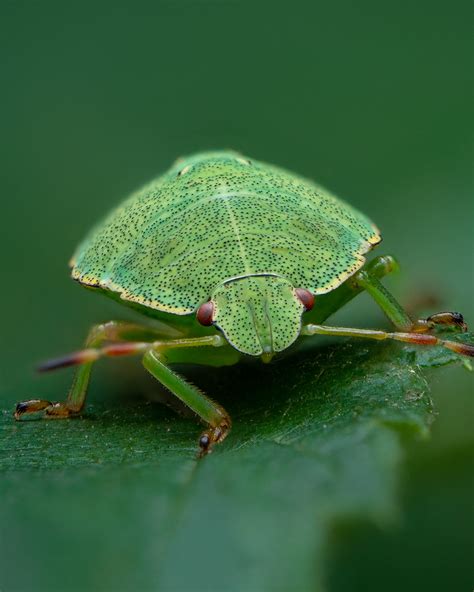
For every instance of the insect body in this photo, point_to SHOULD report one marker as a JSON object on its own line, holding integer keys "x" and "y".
{"x": 233, "y": 257}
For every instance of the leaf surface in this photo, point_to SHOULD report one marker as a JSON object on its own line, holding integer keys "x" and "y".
{"x": 117, "y": 500}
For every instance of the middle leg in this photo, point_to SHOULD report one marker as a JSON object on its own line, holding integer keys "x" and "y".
{"x": 397, "y": 314}
{"x": 121, "y": 335}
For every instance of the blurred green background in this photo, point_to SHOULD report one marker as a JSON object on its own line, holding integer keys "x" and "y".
{"x": 374, "y": 100}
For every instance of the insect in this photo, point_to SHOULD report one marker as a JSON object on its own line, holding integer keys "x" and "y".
{"x": 231, "y": 257}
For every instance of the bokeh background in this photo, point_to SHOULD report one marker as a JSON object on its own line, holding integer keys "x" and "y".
{"x": 374, "y": 100}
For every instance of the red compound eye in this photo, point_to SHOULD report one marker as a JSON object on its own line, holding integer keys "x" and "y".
{"x": 306, "y": 298}
{"x": 204, "y": 313}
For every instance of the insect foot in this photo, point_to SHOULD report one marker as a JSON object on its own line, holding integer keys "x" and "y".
{"x": 213, "y": 436}
{"x": 32, "y": 406}
{"x": 452, "y": 320}
{"x": 51, "y": 410}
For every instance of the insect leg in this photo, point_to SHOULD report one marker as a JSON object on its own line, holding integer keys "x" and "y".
{"x": 114, "y": 332}
{"x": 328, "y": 304}
{"x": 408, "y": 337}
{"x": 395, "y": 312}
{"x": 208, "y": 410}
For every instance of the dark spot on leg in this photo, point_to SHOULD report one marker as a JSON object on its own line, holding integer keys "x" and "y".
{"x": 204, "y": 442}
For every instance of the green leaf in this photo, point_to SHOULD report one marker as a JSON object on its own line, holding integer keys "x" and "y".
{"x": 117, "y": 500}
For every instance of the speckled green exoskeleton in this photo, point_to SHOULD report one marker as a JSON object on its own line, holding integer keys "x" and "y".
{"x": 232, "y": 257}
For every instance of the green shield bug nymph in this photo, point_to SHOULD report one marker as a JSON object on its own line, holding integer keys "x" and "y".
{"x": 235, "y": 256}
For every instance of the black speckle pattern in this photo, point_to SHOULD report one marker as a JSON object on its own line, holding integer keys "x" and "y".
{"x": 173, "y": 242}
{"x": 258, "y": 314}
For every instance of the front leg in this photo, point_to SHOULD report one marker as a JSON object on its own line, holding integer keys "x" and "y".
{"x": 155, "y": 351}
{"x": 206, "y": 409}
